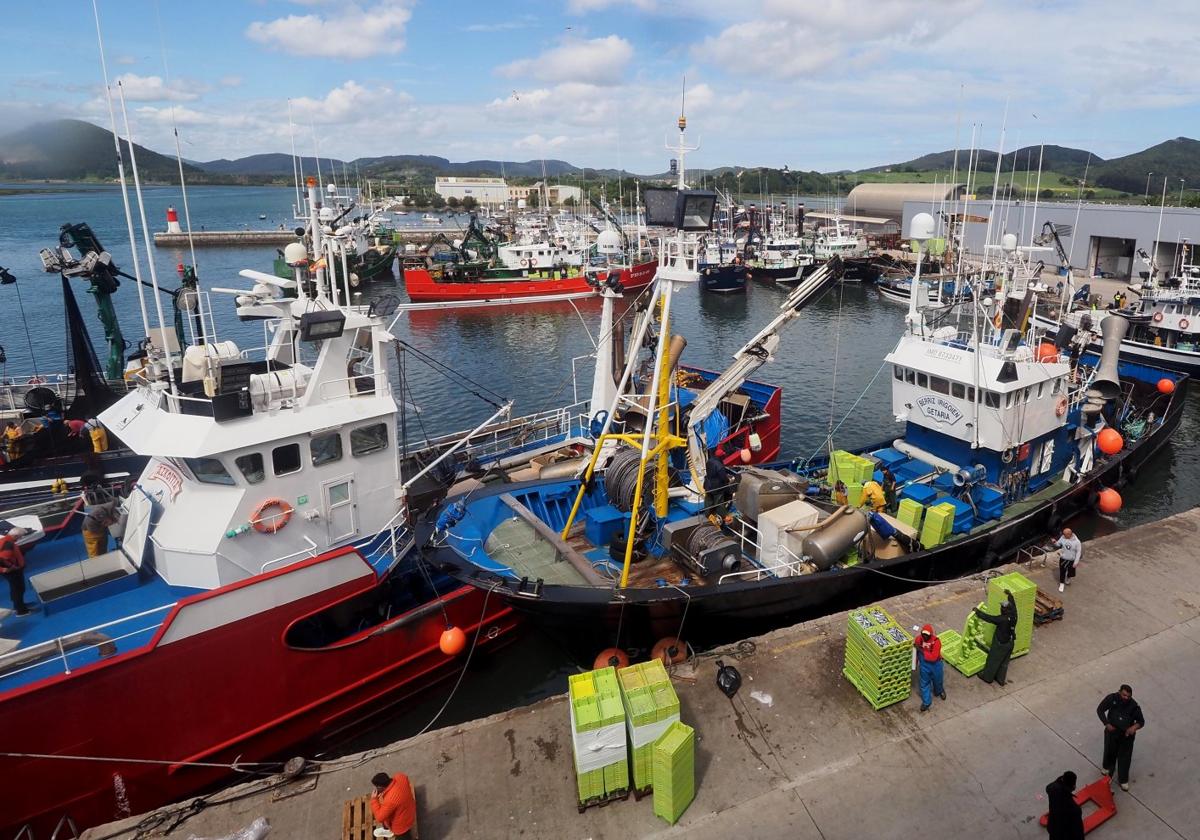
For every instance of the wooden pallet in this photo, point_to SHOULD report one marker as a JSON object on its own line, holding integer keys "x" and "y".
{"x": 1047, "y": 608}
{"x": 358, "y": 823}
{"x": 601, "y": 801}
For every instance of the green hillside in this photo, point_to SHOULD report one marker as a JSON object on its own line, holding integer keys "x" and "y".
{"x": 77, "y": 150}
{"x": 1174, "y": 159}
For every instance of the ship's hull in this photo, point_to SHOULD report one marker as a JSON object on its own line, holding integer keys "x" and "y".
{"x": 781, "y": 274}
{"x": 1169, "y": 358}
{"x": 224, "y": 681}
{"x": 715, "y": 614}
{"x": 724, "y": 279}
{"x": 422, "y": 286}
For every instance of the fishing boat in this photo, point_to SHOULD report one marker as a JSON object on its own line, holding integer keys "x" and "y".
{"x": 850, "y": 246}
{"x": 264, "y": 596}
{"x": 1002, "y": 437}
{"x": 362, "y": 249}
{"x": 1164, "y": 322}
{"x": 430, "y": 219}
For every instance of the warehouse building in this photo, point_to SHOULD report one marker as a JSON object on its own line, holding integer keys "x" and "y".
{"x": 490, "y": 192}
{"x": 1100, "y": 240}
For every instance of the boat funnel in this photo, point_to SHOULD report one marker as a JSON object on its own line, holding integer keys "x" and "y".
{"x": 1106, "y": 383}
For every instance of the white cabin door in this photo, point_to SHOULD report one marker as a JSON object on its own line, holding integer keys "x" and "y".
{"x": 341, "y": 517}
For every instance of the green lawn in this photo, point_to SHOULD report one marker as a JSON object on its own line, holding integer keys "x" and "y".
{"x": 1063, "y": 187}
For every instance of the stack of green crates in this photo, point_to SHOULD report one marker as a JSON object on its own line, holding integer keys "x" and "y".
{"x": 674, "y": 771}
{"x": 651, "y": 705}
{"x": 939, "y": 523}
{"x": 878, "y": 657}
{"x": 963, "y": 652}
{"x": 1025, "y": 594}
{"x": 849, "y": 468}
{"x": 595, "y": 701}
{"x": 910, "y": 513}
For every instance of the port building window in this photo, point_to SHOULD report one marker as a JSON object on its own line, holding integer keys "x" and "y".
{"x": 368, "y": 439}
{"x": 325, "y": 449}
{"x": 251, "y": 467}
{"x": 286, "y": 459}
{"x": 209, "y": 471}
{"x": 939, "y": 385}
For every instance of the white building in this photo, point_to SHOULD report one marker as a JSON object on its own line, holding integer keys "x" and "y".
{"x": 487, "y": 191}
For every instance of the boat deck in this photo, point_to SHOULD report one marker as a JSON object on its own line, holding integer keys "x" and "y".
{"x": 119, "y": 618}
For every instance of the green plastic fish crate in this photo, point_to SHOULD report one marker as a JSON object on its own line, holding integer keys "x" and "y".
{"x": 650, "y": 701}
{"x": 1025, "y": 594}
{"x": 674, "y": 771}
{"x": 939, "y": 523}
{"x": 911, "y": 512}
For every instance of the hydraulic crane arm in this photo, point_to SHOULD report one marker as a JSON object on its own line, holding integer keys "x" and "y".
{"x": 753, "y": 355}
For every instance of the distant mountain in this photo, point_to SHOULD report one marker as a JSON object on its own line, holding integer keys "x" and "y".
{"x": 1053, "y": 159}
{"x": 1174, "y": 159}
{"x": 269, "y": 164}
{"x": 76, "y": 150}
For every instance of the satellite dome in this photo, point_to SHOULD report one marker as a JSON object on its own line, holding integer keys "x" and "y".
{"x": 1008, "y": 243}
{"x": 921, "y": 227}
{"x": 326, "y": 214}
{"x": 295, "y": 254}
{"x": 608, "y": 242}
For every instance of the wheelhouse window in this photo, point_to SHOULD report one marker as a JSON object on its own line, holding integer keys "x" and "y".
{"x": 325, "y": 449}
{"x": 991, "y": 399}
{"x": 922, "y": 381}
{"x": 250, "y": 466}
{"x": 957, "y": 389}
{"x": 286, "y": 459}
{"x": 1041, "y": 390}
{"x": 368, "y": 439}
{"x": 910, "y": 376}
{"x": 898, "y": 372}
{"x": 209, "y": 471}
{"x": 1008, "y": 399}
{"x": 939, "y": 385}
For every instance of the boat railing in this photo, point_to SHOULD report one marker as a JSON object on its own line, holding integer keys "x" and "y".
{"x": 518, "y": 433}
{"x": 363, "y": 385}
{"x": 311, "y": 550}
{"x": 749, "y": 538}
{"x": 60, "y": 647}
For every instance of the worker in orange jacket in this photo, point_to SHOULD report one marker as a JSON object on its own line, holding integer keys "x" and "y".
{"x": 929, "y": 661}
{"x": 393, "y": 805}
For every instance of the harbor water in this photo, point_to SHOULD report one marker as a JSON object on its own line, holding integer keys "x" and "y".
{"x": 830, "y": 366}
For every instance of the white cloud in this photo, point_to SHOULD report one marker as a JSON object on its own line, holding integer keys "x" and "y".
{"x": 350, "y": 31}
{"x": 125, "y": 59}
{"x": 537, "y": 143}
{"x": 230, "y": 81}
{"x": 154, "y": 89}
{"x": 582, "y": 7}
{"x": 598, "y": 61}
{"x": 347, "y": 104}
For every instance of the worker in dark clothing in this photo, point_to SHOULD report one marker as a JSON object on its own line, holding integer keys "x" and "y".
{"x": 889, "y": 490}
{"x": 1122, "y": 718}
{"x": 1065, "y": 820}
{"x": 996, "y": 667}
{"x": 718, "y": 485}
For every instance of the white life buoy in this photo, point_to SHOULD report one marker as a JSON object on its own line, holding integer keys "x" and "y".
{"x": 1183, "y": 323}
{"x": 528, "y": 262}
{"x": 1158, "y": 317}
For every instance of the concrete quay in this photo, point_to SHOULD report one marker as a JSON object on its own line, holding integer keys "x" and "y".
{"x": 815, "y": 761}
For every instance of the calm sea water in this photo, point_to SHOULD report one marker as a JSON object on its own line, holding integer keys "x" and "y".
{"x": 830, "y": 364}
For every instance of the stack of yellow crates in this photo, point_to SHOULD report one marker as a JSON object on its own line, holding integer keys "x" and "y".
{"x": 651, "y": 706}
{"x": 598, "y": 734}
{"x": 674, "y": 762}
{"x": 850, "y": 468}
{"x": 939, "y": 524}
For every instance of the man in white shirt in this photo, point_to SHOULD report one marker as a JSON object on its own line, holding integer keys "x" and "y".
{"x": 1070, "y": 552}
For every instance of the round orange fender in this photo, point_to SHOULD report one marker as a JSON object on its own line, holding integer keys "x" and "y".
{"x": 271, "y": 522}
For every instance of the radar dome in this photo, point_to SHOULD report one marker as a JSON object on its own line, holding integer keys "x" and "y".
{"x": 295, "y": 254}
{"x": 326, "y": 214}
{"x": 1008, "y": 243}
{"x": 608, "y": 242}
{"x": 921, "y": 227}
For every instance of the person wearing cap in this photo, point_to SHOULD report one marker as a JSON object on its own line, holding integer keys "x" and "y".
{"x": 393, "y": 805}
{"x": 1122, "y": 718}
{"x": 1065, "y": 818}
{"x": 1070, "y": 552}
{"x": 930, "y": 669}
{"x": 1000, "y": 651}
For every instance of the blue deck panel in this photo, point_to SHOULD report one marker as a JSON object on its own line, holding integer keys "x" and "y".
{"x": 41, "y": 626}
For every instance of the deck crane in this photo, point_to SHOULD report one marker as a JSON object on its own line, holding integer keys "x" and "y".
{"x": 753, "y": 355}
{"x": 1054, "y": 234}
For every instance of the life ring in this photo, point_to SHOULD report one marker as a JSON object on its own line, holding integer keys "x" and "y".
{"x": 1183, "y": 323}
{"x": 274, "y": 522}
{"x": 998, "y": 320}
{"x": 528, "y": 262}
{"x": 1060, "y": 407}
{"x": 1158, "y": 316}
{"x": 1008, "y": 455}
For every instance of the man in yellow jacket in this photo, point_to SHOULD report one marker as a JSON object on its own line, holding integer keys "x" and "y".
{"x": 873, "y": 497}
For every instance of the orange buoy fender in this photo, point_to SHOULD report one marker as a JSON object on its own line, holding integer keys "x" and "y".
{"x": 453, "y": 641}
{"x": 611, "y": 658}
{"x": 670, "y": 650}
{"x": 1110, "y": 501}
{"x": 266, "y": 522}
{"x": 1110, "y": 441}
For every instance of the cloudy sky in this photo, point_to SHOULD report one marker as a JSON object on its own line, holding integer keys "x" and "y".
{"x": 813, "y": 84}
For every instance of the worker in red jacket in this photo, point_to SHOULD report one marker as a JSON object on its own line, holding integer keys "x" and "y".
{"x": 393, "y": 805}
{"x": 929, "y": 660}
{"x": 12, "y": 566}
